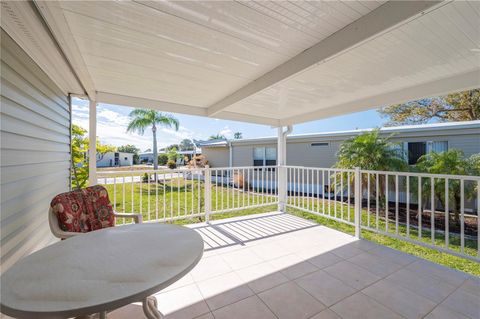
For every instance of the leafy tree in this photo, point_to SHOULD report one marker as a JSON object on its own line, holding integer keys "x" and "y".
{"x": 144, "y": 118}
{"x": 172, "y": 154}
{"x": 172, "y": 146}
{"x": 79, "y": 162}
{"x": 462, "y": 106}
{"x": 162, "y": 159}
{"x": 449, "y": 162}
{"x": 186, "y": 145}
{"x": 370, "y": 151}
{"x": 129, "y": 148}
{"x": 80, "y": 146}
{"x": 237, "y": 135}
{"x": 217, "y": 137}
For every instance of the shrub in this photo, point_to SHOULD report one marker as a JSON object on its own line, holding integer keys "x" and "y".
{"x": 171, "y": 164}
{"x": 198, "y": 161}
{"x": 145, "y": 177}
{"x": 162, "y": 159}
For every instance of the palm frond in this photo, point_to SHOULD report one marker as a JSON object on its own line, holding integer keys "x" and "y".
{"x": 138, "y": 124}
{"x": 166, "y": 120}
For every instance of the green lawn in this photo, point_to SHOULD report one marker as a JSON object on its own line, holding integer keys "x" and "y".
{"x": 180, "y": 198}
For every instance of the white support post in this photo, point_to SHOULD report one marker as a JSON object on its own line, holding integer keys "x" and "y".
{"x": 358, "y": 201}
{"x": 282, "y": 182}
{"x": 208, "y": 193}
{"x": 92, "y": 148}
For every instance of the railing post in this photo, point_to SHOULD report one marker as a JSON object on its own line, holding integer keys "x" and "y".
{"x": 282, "y": 170}
{"x": 282, "y": 185}
{"x": 358, "y": 202}
{"x": 208, "y": 192}
{"x": 92, "y": 144}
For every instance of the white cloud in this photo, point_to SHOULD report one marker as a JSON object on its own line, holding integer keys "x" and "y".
{"x": 227, "y": 132}
{"x": 112, "y": 129}
{"x": 108, "y": 116}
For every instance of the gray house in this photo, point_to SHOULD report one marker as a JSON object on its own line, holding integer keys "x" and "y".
{"x": 320, "y": 149}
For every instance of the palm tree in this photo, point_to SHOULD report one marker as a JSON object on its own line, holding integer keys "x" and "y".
{"x": 143, "y": 118}
{"x": 370, "y": 151}
{"x": 217, "y": 137}
{"x": 238, "y": 135}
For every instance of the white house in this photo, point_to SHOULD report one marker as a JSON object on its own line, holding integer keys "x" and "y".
{"x": 112, "y": 159}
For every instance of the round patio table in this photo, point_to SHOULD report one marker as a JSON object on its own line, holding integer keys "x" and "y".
{"x": 100, "y": 271}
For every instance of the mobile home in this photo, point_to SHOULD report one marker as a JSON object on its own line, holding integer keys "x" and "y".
{"x": 320, "y": 149}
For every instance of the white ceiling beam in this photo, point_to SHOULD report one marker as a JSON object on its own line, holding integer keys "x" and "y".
{"x": 131, "y": 101}
{"x": 232, "y": 116}
{"x": 457, "y": 83}
{"x": 118, "y": 99}
{"x": 52, "y": 14}
{"x": 375, "y": 23}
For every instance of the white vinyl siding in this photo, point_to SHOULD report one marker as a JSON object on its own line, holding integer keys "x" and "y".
{"x": 35, "y": 152}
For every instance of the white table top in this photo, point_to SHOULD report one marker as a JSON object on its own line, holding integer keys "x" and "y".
{"x": 98, "y": 271}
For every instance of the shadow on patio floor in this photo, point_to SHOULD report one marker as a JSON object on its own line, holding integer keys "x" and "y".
{"x": 281, "y": 266}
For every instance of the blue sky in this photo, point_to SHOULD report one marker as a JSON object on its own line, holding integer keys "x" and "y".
{"x": 113, "y": 120}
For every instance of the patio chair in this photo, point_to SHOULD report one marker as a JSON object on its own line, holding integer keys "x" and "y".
{"x": 84, "y": 210}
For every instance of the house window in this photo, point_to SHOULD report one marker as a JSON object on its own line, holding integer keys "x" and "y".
{"x": 415, "y": 151}
{"x": 437, "y": 146}
{"x": 418, "y": 149}
{"x": 270, "y": 156}
{"x": 258, "y": 156}
{"x": 264, "y": 156}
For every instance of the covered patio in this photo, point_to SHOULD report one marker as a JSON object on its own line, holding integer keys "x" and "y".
{"x": 277, "y": 265}
{"x": 274, "y": 63}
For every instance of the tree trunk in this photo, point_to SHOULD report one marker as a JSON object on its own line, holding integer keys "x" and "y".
{"x": 155, "y": 152}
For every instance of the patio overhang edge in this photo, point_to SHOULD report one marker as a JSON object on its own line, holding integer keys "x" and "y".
{"x": 132, "y": 101}
{"x": 456, "y": 83}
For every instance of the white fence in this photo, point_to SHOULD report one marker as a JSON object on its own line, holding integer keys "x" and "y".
{"x": 437, "y": 211}
{"x": 166, "y": 195}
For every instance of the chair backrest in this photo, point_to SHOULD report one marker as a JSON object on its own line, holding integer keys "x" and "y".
{"x": 83, "y": 210}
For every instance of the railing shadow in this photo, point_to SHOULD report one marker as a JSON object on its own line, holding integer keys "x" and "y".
{"x": 223, "y": 234}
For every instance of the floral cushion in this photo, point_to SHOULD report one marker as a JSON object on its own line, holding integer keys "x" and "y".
{"x": 83, "y": 210}
{"x": 70, "y": 210}
{"x": 100, "y": 211}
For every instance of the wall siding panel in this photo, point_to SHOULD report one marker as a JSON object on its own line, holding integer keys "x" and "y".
{"x": 35, "y": 152}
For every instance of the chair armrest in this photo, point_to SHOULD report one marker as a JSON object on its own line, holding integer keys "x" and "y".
{"x": 56, "y": 230}
{"x": 65, "y": 234}
{"x": 136, "y": 217}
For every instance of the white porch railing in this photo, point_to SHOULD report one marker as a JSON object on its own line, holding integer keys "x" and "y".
{"x": 166, "y": 195}
{"x": 437, "y": 211}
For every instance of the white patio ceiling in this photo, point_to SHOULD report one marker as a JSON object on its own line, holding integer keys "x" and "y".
{"x": 273, "y": 63}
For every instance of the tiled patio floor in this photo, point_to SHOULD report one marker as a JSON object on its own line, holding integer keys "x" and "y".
{"x": 281, "y": 266}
